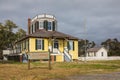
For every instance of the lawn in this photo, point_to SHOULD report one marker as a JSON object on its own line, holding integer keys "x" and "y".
{"x": 39, "y": 70}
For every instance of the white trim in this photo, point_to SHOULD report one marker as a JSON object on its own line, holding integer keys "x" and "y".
{"x": 43, "y": 16}
{"x": 57, "y": 54}
{"x": 33, "y": 27}
{"x": 54, "y": 54}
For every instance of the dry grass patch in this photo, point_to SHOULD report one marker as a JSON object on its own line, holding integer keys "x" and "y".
{"x": 39, "y": 71}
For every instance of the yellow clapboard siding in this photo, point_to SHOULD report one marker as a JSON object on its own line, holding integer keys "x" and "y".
{"x": 75, "y": 52}
{"x": 59, "y": 58}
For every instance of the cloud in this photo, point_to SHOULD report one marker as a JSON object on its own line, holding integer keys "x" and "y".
{"x": 102, "y": 16}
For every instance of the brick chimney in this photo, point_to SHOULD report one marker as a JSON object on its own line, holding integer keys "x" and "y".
{"x": 29, "y": 24}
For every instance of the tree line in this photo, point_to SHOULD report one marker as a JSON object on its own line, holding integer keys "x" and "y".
{"x": 113, "y": 46}
{"x": 8, "y": 35}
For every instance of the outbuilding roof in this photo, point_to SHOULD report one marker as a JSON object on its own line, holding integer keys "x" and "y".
{"x": 95, "y": 49}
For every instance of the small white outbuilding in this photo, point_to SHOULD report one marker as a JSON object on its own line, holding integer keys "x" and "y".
{"x": 97, "y": 53}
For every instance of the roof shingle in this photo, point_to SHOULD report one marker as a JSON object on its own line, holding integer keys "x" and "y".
{"x": 47, "y": 34}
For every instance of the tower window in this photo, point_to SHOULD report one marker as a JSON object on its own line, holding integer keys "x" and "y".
{"x": 36, "y": 26}
{"x": 49, "y": 26}
{"x": 40, "y": 25}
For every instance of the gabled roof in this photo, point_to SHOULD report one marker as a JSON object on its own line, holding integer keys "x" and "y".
{"x": 95, "y": 49}
{"x": 49, "y": 34}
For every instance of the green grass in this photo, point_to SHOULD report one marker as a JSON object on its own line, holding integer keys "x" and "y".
{"x": 89, "y": 65}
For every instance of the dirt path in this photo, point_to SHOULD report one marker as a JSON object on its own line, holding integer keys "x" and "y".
{"x": 109, "y": 76}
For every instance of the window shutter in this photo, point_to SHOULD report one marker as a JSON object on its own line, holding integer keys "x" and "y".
{"x": 35, "y": 26}
{"x": 73, "y": 46}
{"x": 68, "y": 46}
{"x": 46, "y": 25}
{"x": 43, "y": 44}
{"x": 32, "y": 28}
{"x": 53, "y": 24}
{"x": 28, "y": 45}
{"x": 37, "y": 23}
{"x": 36, "y": 44}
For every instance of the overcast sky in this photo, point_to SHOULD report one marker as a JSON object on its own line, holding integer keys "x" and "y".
{"x": 101, "y": 17}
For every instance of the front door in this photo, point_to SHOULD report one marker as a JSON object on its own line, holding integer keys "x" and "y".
{"x": 55, "y": 46}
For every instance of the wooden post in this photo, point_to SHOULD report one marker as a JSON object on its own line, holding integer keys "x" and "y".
{"x": 20, "y": 58}
{"x": 49, "y": 62}
{"x": 28, "y": 64}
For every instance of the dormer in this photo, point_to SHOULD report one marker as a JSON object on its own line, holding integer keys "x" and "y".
{"x": 44, "y": 21}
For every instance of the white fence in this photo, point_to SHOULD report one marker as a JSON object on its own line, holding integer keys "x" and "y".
{"x": 7, "y": 52}
{"x": 99, "y": 58}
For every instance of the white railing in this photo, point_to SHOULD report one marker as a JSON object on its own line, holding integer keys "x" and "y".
{"x": 59, "y": 51}
{"x": 68, "y": 55}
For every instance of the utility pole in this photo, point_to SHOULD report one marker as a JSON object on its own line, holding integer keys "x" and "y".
{"x": 85, "y": 40}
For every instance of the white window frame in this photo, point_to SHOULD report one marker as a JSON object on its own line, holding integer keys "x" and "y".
{"x": 41, "y": 22}
{"x": 71, "y": 44}
{"x": 41, "y": 45}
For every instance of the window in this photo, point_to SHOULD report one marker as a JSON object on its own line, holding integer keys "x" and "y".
{"x": 71, "y": 45}
{"x": 18, "y": 48}
{"x": 40, "y": 25}
{"x": 94, "y": 54}
{"x": 56, "y": 44}
{"x": 101, "y": 53}
{"x": 88, "y": 54}
{"x": 39, "y": 44}
{"x": 49, "y": 26}
{"x": 36, "y": 25}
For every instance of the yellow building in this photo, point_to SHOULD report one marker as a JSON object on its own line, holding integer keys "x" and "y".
{"x": 43, "y": 36}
